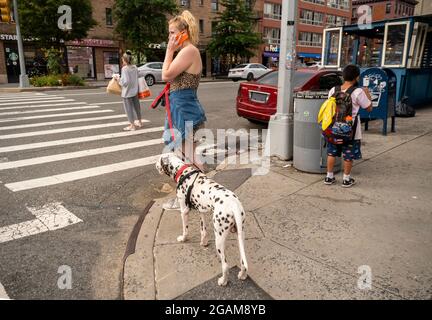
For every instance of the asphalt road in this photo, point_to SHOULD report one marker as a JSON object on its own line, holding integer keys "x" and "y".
{"x": 71, "y": 204}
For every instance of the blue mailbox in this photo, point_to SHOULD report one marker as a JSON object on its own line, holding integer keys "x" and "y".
{"x": 382, "y": 87}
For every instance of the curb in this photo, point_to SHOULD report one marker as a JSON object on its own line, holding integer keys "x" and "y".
{"x": 41, "y": 89}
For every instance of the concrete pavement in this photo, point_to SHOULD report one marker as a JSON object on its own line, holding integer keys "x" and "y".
{"x": 305, "y": 240}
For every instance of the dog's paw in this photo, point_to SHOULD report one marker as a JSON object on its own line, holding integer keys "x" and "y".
{"x": 181, "y": 239}
{"x": 222, "y": 282}
{"x": 242, "y": 275}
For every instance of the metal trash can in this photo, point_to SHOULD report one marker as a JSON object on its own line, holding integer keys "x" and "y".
{"x": 310, "y": 147}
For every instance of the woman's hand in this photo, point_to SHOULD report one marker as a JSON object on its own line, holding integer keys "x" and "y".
{"x": 172, "y": 44}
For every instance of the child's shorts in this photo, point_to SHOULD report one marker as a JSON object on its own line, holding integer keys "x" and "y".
{"x": 350, "y": 151}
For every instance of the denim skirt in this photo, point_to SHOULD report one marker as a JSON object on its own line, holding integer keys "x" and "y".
{"x": 187, "y": 114}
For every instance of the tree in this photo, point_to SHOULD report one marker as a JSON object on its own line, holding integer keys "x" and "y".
{"x": 39, "y": 19}
{"x": 234, "y": 35}
{"x": 143, "y": 22}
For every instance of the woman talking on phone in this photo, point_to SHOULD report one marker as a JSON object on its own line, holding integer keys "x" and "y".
{"x": 183, "y": 73}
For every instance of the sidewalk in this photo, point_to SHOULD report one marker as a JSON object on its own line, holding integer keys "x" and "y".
{"x": 91, "y": 84}
{"x": 305, "y": 240}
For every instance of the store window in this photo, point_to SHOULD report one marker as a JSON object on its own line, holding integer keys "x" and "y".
{"x": 111, "y": 63}
{"x": 81, "y": 61}
{"x": 396, "y": 42}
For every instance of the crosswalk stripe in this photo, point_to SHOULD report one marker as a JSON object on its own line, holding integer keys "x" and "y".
{"x": 36, "y": 145}
{"x": 118, "y": 102}
{"x": 10, "y": 113}
{"x": 84, "y": 94}
{"x": 53, "y": 115}
{"x": 28, "y": 99}
{"x": 52, "y": 123}
{"x": 3, "y": 294}
{"x": 81, "y": 174}
{"x": 39, "y": 101}
{"x": 23, "y": 95}
{"x": 62, "y": 130}
{"x": 44, "y": 105}
{"x": 78, "y": 154}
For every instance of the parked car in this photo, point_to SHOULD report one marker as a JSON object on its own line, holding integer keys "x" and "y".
{"x": 257, "y": 101}
{"x": 247, "y": 71}
{"x": 152, "y": 72}
{"x": 317, "y": 65}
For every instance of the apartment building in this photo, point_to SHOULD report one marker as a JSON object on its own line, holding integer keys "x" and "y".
{"x": 423, "y": 7}
{"x": 312, "y": 18}
{"x": 385, "y": 9}
{"x": 95, "y": 57}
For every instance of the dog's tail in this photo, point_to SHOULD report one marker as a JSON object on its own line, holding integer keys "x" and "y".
{"x": 239, "y": 216}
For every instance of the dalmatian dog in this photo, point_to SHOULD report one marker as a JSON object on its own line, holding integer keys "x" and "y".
{"x": 195, "y": 189}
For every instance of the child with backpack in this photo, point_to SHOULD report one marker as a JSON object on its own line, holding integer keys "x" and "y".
{"x": 343, "y": 135}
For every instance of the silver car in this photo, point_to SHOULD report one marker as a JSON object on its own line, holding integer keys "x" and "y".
{"x": 152, "y": 72}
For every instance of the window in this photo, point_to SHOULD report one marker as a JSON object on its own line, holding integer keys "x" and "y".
{"x": 214, "y": 5}
{"x": 271, "y": 35}
{"x": 395, "y": 44}
{"x": 310, "y": 39}
{"x": 273, "y": 11}
{"x": 201, "y": 26}
{"x": 185, "y": 3}
{"x": 200, "y": 3}
{"x": 108, "y": 16}
{"x": 311, "y": 17}
{"x": 388, "y": 8}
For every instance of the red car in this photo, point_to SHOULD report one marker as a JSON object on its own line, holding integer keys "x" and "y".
{"x": 257, "y": 101}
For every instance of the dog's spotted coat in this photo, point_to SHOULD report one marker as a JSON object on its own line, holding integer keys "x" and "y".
{"x": 206, "y": 196}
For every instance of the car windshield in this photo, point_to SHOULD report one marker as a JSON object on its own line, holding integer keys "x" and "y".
{"x": 241, "y": 66}
{"x": 300, "y": 78}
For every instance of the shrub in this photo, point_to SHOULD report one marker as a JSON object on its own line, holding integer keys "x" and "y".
{"x": 57, "y": 80}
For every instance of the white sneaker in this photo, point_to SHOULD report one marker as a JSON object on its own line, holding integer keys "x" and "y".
{"x": 171, "y": 204}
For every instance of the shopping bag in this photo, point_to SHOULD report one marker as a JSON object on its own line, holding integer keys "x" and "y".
{"x": 143, "y": 89}
{"x": 114, "y": 87}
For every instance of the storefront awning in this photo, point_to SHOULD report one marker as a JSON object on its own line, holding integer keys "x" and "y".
{"x": 271, "y": 54}
{"x": 309, "y": 55}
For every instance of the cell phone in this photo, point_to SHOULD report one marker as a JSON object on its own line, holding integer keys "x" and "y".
{"x": 181, "y": 37}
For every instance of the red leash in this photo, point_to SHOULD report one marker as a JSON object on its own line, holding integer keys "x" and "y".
{"x": 165, "y": 94}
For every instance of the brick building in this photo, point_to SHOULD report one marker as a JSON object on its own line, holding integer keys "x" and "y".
{"x": 95, "y": 57}
{"x": 423, "y": 7}
{"x": 313, "y": 17}
{"x": 385, "y": 9}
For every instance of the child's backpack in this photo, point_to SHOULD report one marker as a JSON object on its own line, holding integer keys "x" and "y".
{"x": 343, "y": 126}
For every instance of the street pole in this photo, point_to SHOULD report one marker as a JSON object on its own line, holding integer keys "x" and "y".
{"x": 281, "y": 125}
{"x": 24, "y": 81}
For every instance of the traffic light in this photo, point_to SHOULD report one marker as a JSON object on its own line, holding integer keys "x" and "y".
{"x": 5, "y": 11}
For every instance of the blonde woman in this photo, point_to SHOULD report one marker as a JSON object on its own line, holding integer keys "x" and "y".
{"x": 183, "y": 73}
{"x": 129, "y": 83}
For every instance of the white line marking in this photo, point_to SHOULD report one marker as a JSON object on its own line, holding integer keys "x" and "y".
{"x": 53, "y": 115}
{"x": 29, "y": 99}
{"x": 46, "y": 110}
{"x": 43, "y": 124}
{"x": 50, "y": 217}
{"x": 78, "y": 140}
{"x": 81, "y": 174}
{"x": 118, "y": 102}
{"x": 84, "y": 94}
{"x": 44, "y": 105}
{"x": 62, "y": 130}
{"x": 78, "y": 154}
{"x": 3, "y": 294}
{"x": 40, "y": 101}
{"x": 22, "y": 95}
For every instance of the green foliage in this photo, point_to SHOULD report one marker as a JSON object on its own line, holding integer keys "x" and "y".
{"x": 53, "y": 57}
{"x": 234, "y": 35}
{"x": 57, "y": 80}
{"x": 143, "y": 22}
{"x": 39, "y": 19}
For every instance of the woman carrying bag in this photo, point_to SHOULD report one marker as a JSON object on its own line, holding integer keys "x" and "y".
{"x": 129, "y": 83}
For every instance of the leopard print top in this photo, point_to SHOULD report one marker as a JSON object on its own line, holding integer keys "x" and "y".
{"x": 185, "y": 80}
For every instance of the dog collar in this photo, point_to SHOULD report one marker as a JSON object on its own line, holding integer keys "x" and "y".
{"x": 180, "y": 172}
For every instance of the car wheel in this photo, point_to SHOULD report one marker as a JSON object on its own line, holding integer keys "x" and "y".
{"x": 234, "y": 80}
{"x": 250, "y": 77}
{"x": 150, "y": 80}
{"x": 255, "y": 121}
